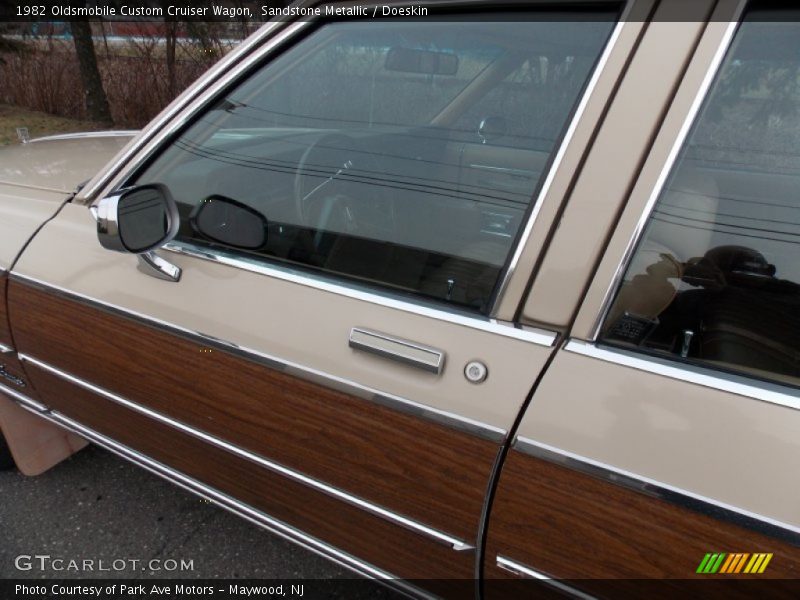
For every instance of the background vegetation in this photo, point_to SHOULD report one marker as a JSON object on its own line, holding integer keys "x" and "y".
{"x": 137, "y": 75}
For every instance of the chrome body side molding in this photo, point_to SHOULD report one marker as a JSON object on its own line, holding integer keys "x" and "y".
{"x": 525, "y": 571}
{"x": 405, "y": 405}
{"x": 690, "y": 373}
{"x": 5, "y": 349}
{"x": 662, "y": 491}
{"x": 22, "y": 399}
{"x": 419, "y": 528}
{"x": 229, "y": 503}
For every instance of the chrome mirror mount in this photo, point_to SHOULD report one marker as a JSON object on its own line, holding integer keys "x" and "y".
{"x": 152, "y": 264}
{"x": 139, "y": 220}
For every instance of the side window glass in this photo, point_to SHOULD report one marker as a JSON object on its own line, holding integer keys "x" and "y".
{"x": 544, "y": 81}
{"x": 358, "y": 153}
{"x": 716, "y": 277}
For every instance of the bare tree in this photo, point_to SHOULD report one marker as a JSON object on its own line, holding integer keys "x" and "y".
{"x": 94, "y": 94}
{"x": 8, "y": 44}
{"x": 171, "y": 27}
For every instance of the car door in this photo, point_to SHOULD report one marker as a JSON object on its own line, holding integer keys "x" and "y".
{"x": 684, "y": 420}
{"x": 317, "y": 349}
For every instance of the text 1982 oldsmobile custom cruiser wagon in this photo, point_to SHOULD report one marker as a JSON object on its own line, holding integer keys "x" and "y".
{"x": 512, "y": 292}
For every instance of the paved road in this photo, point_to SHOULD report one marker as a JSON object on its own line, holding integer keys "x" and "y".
{"x": 97, "y": 506}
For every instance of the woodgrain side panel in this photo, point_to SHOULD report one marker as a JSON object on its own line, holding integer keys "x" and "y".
{"x": 575, "y": 526}
{"x": 426, "y": 471}
{"x": 387, "y": 546}
{"x": 5, "y": 332}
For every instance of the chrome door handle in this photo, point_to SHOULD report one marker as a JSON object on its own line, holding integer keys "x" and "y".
{"x": 409, "y": 353}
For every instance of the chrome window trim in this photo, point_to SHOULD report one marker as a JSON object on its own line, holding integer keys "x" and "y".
{"x": 23, "y": 399}
{"x": 517, "y": 568}
{"x": 410, "y": 524}
{"x": 228, "y": 503}
{"x": 644, "y": 218}
{"x": 740, "y": 385}
{"x": 400, "y": 404}
{"x": 166, "y": 122}
{"x": 329, "y": 283}
{"x": 559, "y": 157}
{"x": 662, "y": 491}
{"x": 86, "y": 134}
{"x": 201, "y": 97}
{"x": 177, "y": 117}
{"x": 39, "y": 188}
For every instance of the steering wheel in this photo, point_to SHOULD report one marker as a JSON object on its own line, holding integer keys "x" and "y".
{"x": 338, "y": 187}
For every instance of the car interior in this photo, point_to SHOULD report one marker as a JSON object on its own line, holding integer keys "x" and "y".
{"x": 428, "y": 204}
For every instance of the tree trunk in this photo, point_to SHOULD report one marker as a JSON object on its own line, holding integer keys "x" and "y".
{"x": 95, "y": 95}
{"x": 171, "y": 41}
{"x": 171, "y": 35}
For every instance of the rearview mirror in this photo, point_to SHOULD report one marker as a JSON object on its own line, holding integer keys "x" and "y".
{"x": 229, "y": 222}
{"x": 424, "y": 62}
{"x": 137, "y": 220}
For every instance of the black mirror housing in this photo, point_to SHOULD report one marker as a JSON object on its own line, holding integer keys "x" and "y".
{"x": 229, "y": 222}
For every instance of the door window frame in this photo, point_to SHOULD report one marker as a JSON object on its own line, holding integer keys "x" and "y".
{"x": 270, "y": 41}
{"x": 631, "y": 226}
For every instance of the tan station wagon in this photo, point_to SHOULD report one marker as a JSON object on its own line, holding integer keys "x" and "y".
{"x": 500, "y": 292}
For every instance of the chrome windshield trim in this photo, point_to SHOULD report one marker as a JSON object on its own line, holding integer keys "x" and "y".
{"x": 398, "y": 403}
{"x": 517, "y": 568}
{"x": 698, "y": 375}
{"x": 540, "y": 337}
{"x": 203, "y": 92}
{"x": 85, "y": 135}
{"x": 419, "y": 528}
{"x": 23, "y": 399}
{"x": 691, "y": 116}
{"x": 559, "y": 157}
{"x": 225, "y": 501}
{"x": 662, "y": 491}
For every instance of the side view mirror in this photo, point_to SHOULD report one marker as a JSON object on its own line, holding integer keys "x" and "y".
{"x": 492, "y": 128}
{"x": 139, "y": 220}
{"x": 229, "y": 222}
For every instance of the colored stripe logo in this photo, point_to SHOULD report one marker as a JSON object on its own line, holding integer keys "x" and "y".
{"x": 733, "y": 563}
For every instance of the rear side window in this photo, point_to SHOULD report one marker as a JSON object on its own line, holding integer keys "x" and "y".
{"x": 716, "y": 277}
{"x": 398, "y": 154}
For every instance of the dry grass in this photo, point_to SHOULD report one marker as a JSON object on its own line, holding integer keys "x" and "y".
{"x": 38, "y": 124}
